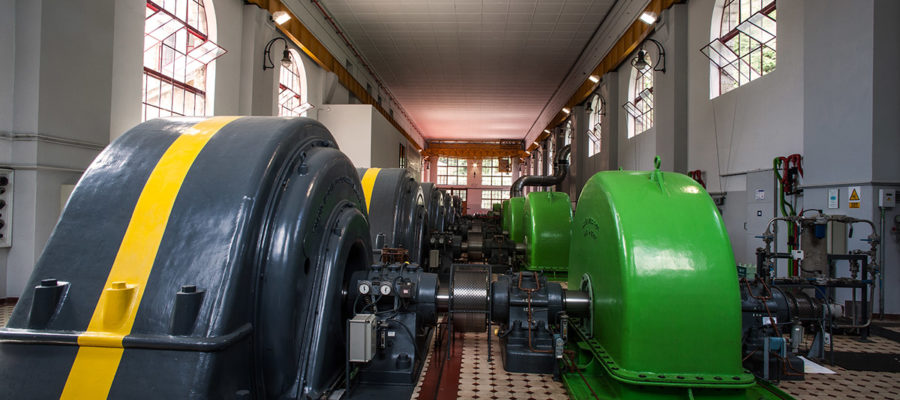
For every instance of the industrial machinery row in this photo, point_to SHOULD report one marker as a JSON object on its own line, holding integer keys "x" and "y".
{"x": 248, "y": 258}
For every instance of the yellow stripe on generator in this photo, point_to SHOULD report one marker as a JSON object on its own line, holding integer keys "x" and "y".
{"x": 101, "y": 349}
{"x": 368, "y": 183}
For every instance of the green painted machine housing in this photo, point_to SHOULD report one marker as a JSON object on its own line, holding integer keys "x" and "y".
{"x": 652, "y": 250}
{"x": 516, "y": 219}
{"x": 504, "y": 211}
{"x": 548, "y": 223}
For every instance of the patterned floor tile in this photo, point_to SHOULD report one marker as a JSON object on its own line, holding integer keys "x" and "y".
{"x": 5, "y": 312}
{"x": 483, "y": 380}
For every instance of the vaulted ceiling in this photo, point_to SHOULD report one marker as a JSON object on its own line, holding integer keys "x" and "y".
{"x": 471, "y": 69}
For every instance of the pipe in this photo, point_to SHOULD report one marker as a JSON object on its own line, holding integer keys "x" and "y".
{"x": 561, "y": 168}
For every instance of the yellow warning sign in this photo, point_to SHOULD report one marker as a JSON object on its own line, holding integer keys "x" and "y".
{"x": 853, "y": 200}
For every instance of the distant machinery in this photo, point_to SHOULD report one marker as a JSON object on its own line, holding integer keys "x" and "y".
{"x": 434, "y": 204}
{"x": 290, "y": 274}
{"x": 396, "y": 208}
{"x": 796, "y": 304}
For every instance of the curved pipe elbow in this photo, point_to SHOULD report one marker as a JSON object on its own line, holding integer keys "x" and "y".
{"x": 560, "y": 169}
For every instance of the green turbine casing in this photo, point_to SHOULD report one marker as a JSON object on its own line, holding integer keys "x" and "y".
{"x": 517, "y": 219}
{"x": 548, "y": 222}
{"x": 666, "y": 318}
{"x": 504, "y": 211}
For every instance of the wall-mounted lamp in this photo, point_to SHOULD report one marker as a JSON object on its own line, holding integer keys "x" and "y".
{"x": 601, "y": 103}
{"x": 648, "y": 17}
{"x": 267, "y": 54}
{"x": 280, "y": 17}
{"x": 594, "y": 78}
{"x": 640, "y": 63}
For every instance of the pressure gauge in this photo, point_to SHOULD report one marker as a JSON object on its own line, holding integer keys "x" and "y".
{"x": 385, "y": 289}
{"x": 364, "y": 288}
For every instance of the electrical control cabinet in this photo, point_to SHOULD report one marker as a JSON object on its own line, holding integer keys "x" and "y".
{"x": 362, "y": 338}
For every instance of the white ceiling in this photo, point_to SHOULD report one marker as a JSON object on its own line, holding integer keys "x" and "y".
{"x": 471, "y": 69}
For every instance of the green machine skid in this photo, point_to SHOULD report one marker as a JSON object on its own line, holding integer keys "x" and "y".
{"x": 652, "y": 251}
{"x": 548, "y": 224}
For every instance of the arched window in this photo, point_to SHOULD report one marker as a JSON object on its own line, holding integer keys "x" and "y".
{"x": 551, "y": 150}
{"x": 743, "y": 43}
{"x": 569, "y": 133}
{"x": 177, "y": 51}
{"x": 640, "y": 99}
{"x": 595, "y": 113}
{"x": 291, "y": 88}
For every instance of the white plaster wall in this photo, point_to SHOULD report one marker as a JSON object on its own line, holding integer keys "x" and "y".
{"x": 228, "y": 34}
{"x": 367, "y": 137}
{"x": 75, "y": 74}
{"x": 744, "y": 129}
{"x": 351, "y": 125}
{"x": 886, "y": 141}
{"x": 386, "y": 141}
{"x": 27, "y": 65}
{"x": 128, "y": 67}
{"x": 7, "y": 63}
{"x": 839, "y": 123}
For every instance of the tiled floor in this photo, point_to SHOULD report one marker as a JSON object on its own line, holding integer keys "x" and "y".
{"x": 846, "y": 384}
{"x": 5, "y": 312}
{"x": 875, "y": 344}
{"x": 480, "y": 379}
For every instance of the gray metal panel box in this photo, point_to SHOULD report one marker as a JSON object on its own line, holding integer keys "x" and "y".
{"x": 362, "y": 338}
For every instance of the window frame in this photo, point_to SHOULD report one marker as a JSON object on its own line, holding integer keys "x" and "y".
{"x": 284, "y": 92}
{"x": 595, "y": 124}
{"x": 735, "y": 42}
{"x": 457, "y": 178}
{"x": 494, "y": 196}
{"x": 490, "y": 170}
{"x": 639, "y": 107}
{"x": 551, "y": 150}
{"x": 184, "y": 36}
{"x": 461, "y": 192}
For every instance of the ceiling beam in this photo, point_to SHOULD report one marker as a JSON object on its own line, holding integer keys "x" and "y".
{"x": 301, "y": 36}
{"x": 627, "y": 43}
{"x": 476, "y": 150}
